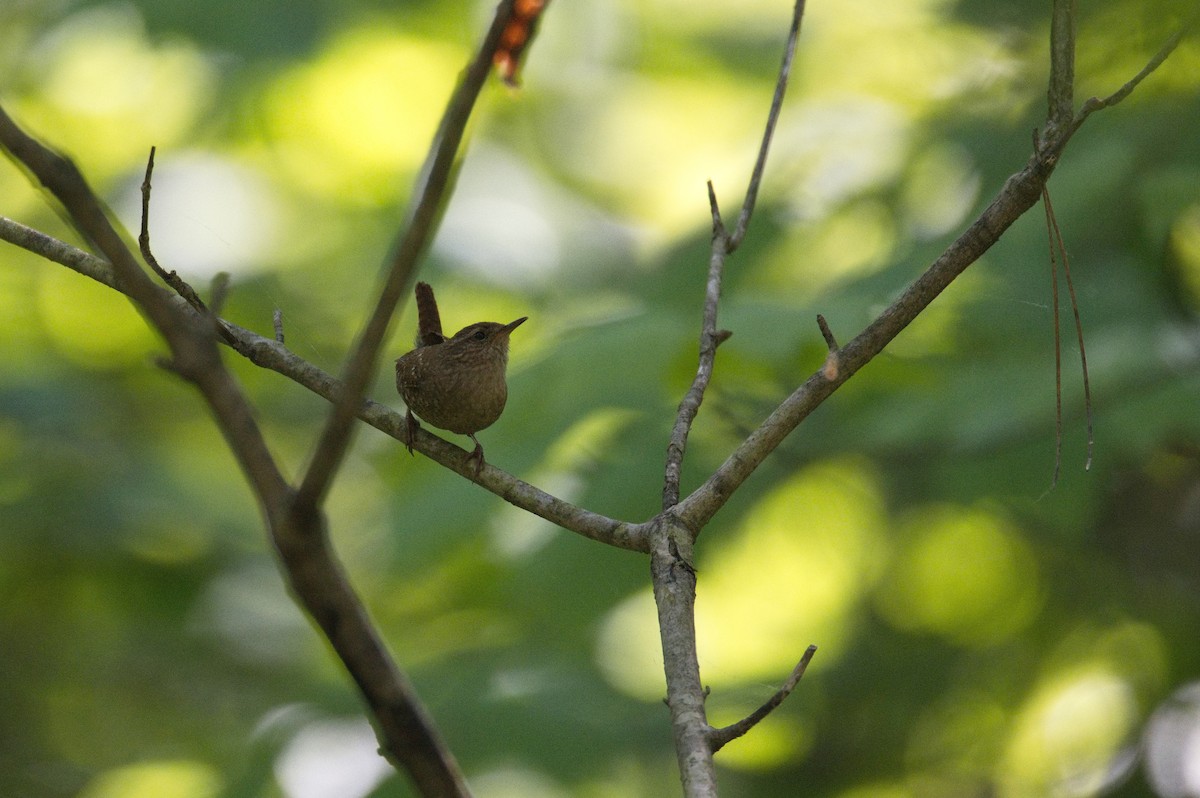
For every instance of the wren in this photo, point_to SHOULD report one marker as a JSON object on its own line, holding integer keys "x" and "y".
{"x": 457, "y": 383}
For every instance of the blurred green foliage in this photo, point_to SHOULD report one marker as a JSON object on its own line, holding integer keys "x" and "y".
{"x": 979, "y": 634}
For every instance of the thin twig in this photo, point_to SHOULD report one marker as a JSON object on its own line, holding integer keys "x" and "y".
{"x": 718, "y": 738}
{"x": 415, "y": 235}
{"x": 827, "y": 333}
{"x": 171, "y": 278}
{"x": 1096, "y": 103}
{"x": 718, "y": 224}
{"x": 760, "y": 164}
{"x": 277, "y": 324}
{"x": 830, "y": 369}
{"x": 710, "y": 339}
{"x": 723, "y": 244}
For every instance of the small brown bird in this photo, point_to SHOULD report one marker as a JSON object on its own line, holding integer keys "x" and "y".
{"x": 458, "y": 384}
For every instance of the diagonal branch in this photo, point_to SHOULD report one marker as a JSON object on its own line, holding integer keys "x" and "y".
{"x": 718, "y": 738}
{"x": 785, "y": 70}
{"x": 191, "y": 340}
{"x": 410, "y": 245}
{"x": 1018, "y": 194}
{"x": 710, "y": 339}
{"x": 270, "y": 353}
{"x": 406, "y": 733}
{"x": 1096, "y": 103}
{"x": 723, "y": 244}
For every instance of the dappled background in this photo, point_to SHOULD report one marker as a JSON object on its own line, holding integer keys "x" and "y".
{"x": 979, "y": 634}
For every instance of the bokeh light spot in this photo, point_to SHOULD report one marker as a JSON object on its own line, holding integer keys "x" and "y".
{"x": 178, "y": 779}
{"x": 964, "y": 574}
{"x": 364, "y": 112}
{"x": 91, "y": 324}
{"x": 1068, "y": 736}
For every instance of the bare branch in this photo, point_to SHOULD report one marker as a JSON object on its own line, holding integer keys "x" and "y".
{"x": 416, "y": 233}
{"x": 58, "y": 251}
{"x": 1096, "y": 103}
{"x": 270, "y": 353}
{"x": 827, "y": 333}
{"x": 710, "y": 339}
{"x": 723, "y": 244}
{"x": 193, "y": 346}
{"x": 1061, "y": 90}
{"x": 785, "y": 69}
{"x": 718, "y": 738}
{"x": 1018, "y": 194}
{"x": 407, "y": 735}
{"x": 718, "y": 224}
{"x": 302, "y": 540}
{"x": 171, "y": 278}
{"x": 830, "y": 370}
{"x": 674, "y": 580}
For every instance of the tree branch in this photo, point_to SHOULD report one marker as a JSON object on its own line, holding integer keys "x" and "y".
{"x": 270, "y": 353}
{"x": 191, "y": 340}
{"x": 723, "y": 245}
{"x": 299, "y": 529}
{"x": 171, "y": 278}
{"x": 405, "y": 731}
{"x": 718, "y": 738}
{"x": 1096, "y": 103}
{"x": 710, "y": 339}
{"x": 674, "y": 580}
{"x": 671, "y": 570}
{"x": 1061, "y": 86}
{"x": 1018, "y": 194}
{"x": 415, "y": 235}
{"x": 785, "y": 69}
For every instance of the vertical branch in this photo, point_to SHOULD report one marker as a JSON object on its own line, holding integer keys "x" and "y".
{"x": 671, "y": 570}
{"x": 1060, "y": 93}
{"x": 710, "y": 339}
{"x": 674, "y": 581}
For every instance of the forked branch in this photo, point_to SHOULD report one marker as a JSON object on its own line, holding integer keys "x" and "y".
{"x": 1018, "y": 194}
{"x": 723, "y": 244}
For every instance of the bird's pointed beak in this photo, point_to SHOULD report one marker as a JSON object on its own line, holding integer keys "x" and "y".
{"x": 512, "y": 325}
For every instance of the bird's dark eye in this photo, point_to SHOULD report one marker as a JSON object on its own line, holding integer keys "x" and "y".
{"x": 479, "y": 335}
